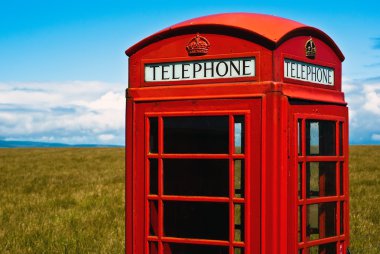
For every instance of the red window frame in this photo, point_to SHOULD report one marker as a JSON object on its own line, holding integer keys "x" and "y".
{"x": 338, "y": 115}
{"x": 251, "y": 200}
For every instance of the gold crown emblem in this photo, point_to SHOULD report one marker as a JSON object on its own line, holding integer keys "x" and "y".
{"x": 310, "y": 48}
{"x": 198, "y": 46}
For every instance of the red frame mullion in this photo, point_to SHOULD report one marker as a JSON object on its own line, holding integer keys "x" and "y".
{"x": 303, "y": 179}
{"x": 160, "y": 185}
{"x": 231, "y": 137}
{"x": 147, "y": 180}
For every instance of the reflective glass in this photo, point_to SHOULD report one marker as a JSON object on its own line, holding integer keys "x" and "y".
{"x": 321, "y": 220}
{"x": 196, "y": 134}
{"x": 320, "y": 179}
{"x": 203, "y": 220}
{"x": 196, "y": 177}
{"x": 320, "y": 137}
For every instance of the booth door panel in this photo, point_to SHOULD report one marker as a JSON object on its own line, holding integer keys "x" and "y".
{"x": 201, "y": 171}
{"x": 320, "y": 152}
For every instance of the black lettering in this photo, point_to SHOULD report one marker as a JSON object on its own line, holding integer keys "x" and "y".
{"x": 154, "y": 71}
{"x": 313, "y": 73}
{"x": 292, "y": 68}
{"x": 208, "y": 69}
{"x": 303, "y": 71}
{"x": 298, "y": 70}
{"x": 173, "y": 72}
{"x": 287, "y": 68}
{"x": 185, "y": 70}
{"x": 308, "y": 72}
{"x": 245, "y": 66}
{"x": 325, "y": 75}
{"x": 233, "y": 66}
{"x": 217, "y": 69}
{"x": 330, "y": 77}
{"x": 163, "y": 72}
{"x": 319, "y": 75}
{"x": 195, "y": 70}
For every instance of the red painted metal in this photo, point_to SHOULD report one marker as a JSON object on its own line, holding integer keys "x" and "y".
{"x": 271, "y": 105}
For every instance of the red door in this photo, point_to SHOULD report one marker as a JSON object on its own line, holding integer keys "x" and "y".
{"x": 320, "y": 184}
{"x": 196, "y": 177}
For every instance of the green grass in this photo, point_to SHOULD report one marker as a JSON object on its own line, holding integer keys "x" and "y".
{"x": 62, "y": 200}
{"x": 365, "y": 199}
{"x": 72, "y": 200}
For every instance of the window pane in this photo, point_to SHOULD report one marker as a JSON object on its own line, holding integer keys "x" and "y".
{"x": 300, "y": 224}
{"x": 153, "y": 176}
{"x": 300, "y": 180}
{"x": 320, "y": 137}
{"x": 153, "y": 248}
{"x": 340, "y": 138}
{"x": 341, "y": 181}
{"x": 239, "y": 223}
{"x": 202, "y": 220}
{"x": 321, "y": 220}
{"x": 341, "y": 218}
{"x": 329, "y": 248}
{"x": 196, "y": 134}
{"x": 239, "y": 134}
{"x": 320, "y": 179}
{"x": 299, "y": 136}
{"x": 179, "y": 248}
{"x": 239, "y": 178}
{"x": 196, "y": 177}
{"x": 153, "y": 217}
{"x": 153, "y": 135}
{"x": 238, "y": 250}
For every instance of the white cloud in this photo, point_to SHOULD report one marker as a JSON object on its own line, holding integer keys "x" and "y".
{"x": 70, "y": 112}
{"x": 375, "y": 137}
{"x": 372, "y": 102}
{"x": 364, "y": 108}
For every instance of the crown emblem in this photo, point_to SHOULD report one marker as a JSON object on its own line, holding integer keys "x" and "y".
{"x": 198, "y": 46}
{"x": 310, "y": 49}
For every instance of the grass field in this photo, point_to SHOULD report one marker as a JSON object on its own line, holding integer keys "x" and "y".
{"x": 72, "y": 200}
{"x": 62, "y": 200}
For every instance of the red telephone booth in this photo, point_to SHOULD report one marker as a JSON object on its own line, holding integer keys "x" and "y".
{"x": 237, "y": 139}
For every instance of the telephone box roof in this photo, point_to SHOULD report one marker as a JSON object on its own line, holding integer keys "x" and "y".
{"x": 269, "y": 30}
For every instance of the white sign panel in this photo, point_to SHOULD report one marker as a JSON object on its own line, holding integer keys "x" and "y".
{"x": 205, "y": 69}
{"x": 308, "y": 72}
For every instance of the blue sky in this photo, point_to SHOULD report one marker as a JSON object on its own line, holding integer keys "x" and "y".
{"x": 63, "y": 70}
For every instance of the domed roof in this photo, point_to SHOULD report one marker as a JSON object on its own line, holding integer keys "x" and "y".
{"x": 270, "y": 29}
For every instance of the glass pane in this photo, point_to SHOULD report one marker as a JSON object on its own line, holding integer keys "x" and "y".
{"x": 153, "y": 135}
{"x": 203, "y": 220}
{"x": 239, "y": 178}
{"x": 321, "y": 220}
{"x": 341, "y": 181}
{"x": 300, "y": 180}
{"x": 340, "y": 138}
{"x": 196, "y": 177}
{"x": 239, "y": 134}
{"x": 300, "y": 224}
{"x": 320, "y": 137}
{"x": 238, "y": 250}
{"x": 153, "y": 217}
{"x": 299, "y": 136}
{"x": 329, "y": 248}
{"x": 196, "y": 134}
{"x": 153, "y": 248}
{"x": 320, "y": 179}
{"x": 341, "y": 218}
{"x": 239, "y": 223}
{"x": 179, "y": 248}
{"x": 153, "y": 176}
